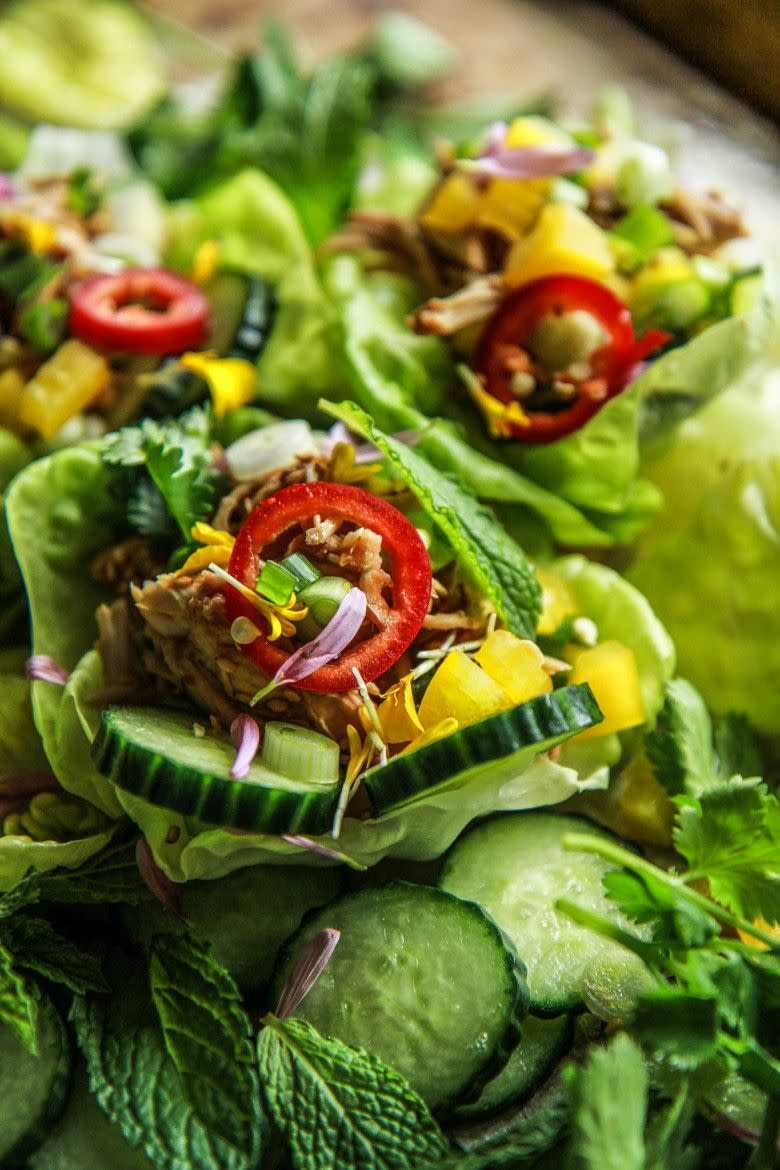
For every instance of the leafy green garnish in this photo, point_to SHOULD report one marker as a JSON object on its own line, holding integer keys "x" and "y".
{"x": 680, "y": 746}
{"x": 176, "y": 456}
{"x": 207, "y": 1034}
{"x": 498, "y": 565}
{"x": 18, "y": 1005}
{"x": 36, "y": 946}
{"x": 339, "y": 1106}
{"x": 160, "y": 1101}
{"x": 609, "y": 1116}
{"x": 109, "y": 877}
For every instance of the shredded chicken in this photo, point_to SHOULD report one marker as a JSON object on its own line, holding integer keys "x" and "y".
{"x": 237, "y": 504}
{"x": 119, "y": 648}
{"x": 189, "y": 647}
{"x": 468, "y": 306}
{"x": 702, "y": 221}
{"x": 133, "y": 559}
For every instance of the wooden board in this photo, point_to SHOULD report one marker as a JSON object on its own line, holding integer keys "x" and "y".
{"x": 567, "y": 47}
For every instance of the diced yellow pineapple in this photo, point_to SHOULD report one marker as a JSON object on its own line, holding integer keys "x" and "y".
{"x": 647, "y": 813}
{"x": 11, "y": 387}
{"x": 563, "y": 240}
{"x": 515, "y": 664}
{"x": 462, "y": 690}
{"x": 611, "y": 670}
{"x": 454, "y": 204}
{"x": 510, "y": 206}
{"x": 64, "y": 385}
{"x": 558, "y": 601}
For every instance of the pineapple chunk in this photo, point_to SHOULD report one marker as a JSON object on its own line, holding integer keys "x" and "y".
{"x": 515, "y": 664}
{"x": 558, "y": 602}
{"x": 64, "y": 385}
{"x": 11, "y": 387}
{"x": 563, "y": 240}
{"x": 454, "y": 204}
{"x": 462, "y": 690}
{"x": 611, "y": 670}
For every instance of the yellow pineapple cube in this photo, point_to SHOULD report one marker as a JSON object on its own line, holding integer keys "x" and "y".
{"x": 515, "y": 664}
{"x": 462, "y": 690}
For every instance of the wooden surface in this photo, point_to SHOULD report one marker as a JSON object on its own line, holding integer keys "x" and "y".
{"x": 569, "y": 47}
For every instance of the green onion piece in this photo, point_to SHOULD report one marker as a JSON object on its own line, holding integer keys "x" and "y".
{"x": 300, "y": 754}
{"x": 302, "y": 570}
{"x": 645, "y": 229}
{"x": 275, "y": 583}
{"x": 322, "y": 598}
{"x": 672, "y": 305}
{"x": 43, "y": 324}
{"x": 17, "y": 274}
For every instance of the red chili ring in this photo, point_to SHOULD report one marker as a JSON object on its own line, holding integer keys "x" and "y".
{"x": 140, "y": 310}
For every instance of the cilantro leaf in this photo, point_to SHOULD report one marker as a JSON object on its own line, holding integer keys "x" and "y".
{"x": 681, "y": 1025}
{"x": 18, "y": 1005}
{"x": 608, "y": 1121}
{"x": 731, "y": 837}
{"x": 735, "y": 745}
{"x": 339, "y": 1106}
{"x": 207, "y": 1034}
{"x": 497, "y": 564}
{"x": 680, "y": 746}
{"x": 667, "y": 1134}
{"x": 176, "y": 457}
{"x": 137, "y": 1083}
{"x": 37, "y": 946}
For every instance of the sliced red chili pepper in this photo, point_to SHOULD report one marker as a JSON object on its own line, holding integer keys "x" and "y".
{"x": 513, "y": 325}
{"x": 140, "y": 310}
{"x": 409, "y": 569}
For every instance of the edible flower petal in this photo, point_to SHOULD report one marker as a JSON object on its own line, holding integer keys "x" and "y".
{"x": 44, "y": 669}
{"x": 164, "y": 890}
{"x": 501, "y": 417}
{"x": 328, "y": 644}
{"x": 245, "y": 735}
{"x": 218, "y": 547}
{"x": 397, "y": 713}
{"x": 39, "y": 235}
{"x": 440, "y": 730}
{"x": 232, "y": 381}
{"x": 527, "y": 162}
{"x": 205, "y": 261}
{"x": 280, "y": 618}
{"x": 307, "y": 971}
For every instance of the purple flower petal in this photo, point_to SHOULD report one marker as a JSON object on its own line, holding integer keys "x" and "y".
{"x": 245, "y": 735}
{"x": 528, "y": 162}
{"x": 364, "y": 452}
{"x": 494, "y": 139}
{"x": 164, "y": 890}
{"x": 338, "y": 433}
{"x": 45, "y": 669}
{"x": 307, "y": 971}
{"x": 8, "y": 189}
{"x": 328, "y": 644}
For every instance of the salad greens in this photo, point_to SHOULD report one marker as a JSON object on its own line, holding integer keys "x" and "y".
{"x": 155, "y": 944}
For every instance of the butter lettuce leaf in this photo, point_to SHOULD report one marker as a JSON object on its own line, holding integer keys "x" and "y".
{"x": 491, "y": 557}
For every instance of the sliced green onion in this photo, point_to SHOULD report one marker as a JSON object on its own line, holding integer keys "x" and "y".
{"x": 322, "y": 599}
{"x": 43, "y": 324}
{"x": 302, "y": 570}
{"x": 299, "y": 753}
{"x": 671, "y": 305}
{"x": 645, "y": 229}
{"x": 275, "y": 583}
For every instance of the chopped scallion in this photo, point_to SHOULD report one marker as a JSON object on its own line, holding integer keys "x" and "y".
{"x": 302, "y": 570}
{"x": 299, "y": 753}
{"x": 275, "y": 583}
{"x": 322, "y": 599}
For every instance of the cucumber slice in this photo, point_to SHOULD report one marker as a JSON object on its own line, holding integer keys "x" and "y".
{"x": 516, "y": 868}
{"x": 543, "y": 1043}
{"x": 226, "y": 293}
{"x": 421, "y": 979}
{"x": 154, "y": 754}
{"x": 256, "y": 322}
{"x": 94, "y": 65}
{"x": 33, "y": 1089}
{"x": 84, "y": 1138}
{"x": 500, "y": 742}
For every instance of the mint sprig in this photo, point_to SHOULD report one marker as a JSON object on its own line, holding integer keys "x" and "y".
{"x": 37, "y": 947}
{"x": 339, "y": 1106}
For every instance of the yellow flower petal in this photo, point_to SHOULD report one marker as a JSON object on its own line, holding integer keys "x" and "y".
{"x": 359, "y": 752}
{"x": 232, "y": 381}
{"x": 501, "y": 417}
{"x": 205, "y": 261}
{"x": 439, "y": 730}
{"x": 205, "y": 534}
{"x": 39, "y": 235}
{"x": 398, "y": 713}
{"x": 202, "y": 558}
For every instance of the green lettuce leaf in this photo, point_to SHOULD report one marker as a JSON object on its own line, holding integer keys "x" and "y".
{"x": 490, "y": 557}
{"x": 14, "y": 455}
{"x": 20, "y": 744}
{"x": 20, "y": 856}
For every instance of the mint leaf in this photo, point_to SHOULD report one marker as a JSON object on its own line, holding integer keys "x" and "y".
{"x": 108, "y": 877}
{"x": 137, "y": 1084}
{"x": 208, "y": 1036}
{"x": 18, "y": 1006}
{"x": 497, "y": 564}
{"x": 608, "y": 1121}
{"x": 338, "y": 1106}
{"x": 680, "y": 746}
{"x": 731, "y": 837}
{"x": 37, "y": 946}
{"x": 735, "y": 746}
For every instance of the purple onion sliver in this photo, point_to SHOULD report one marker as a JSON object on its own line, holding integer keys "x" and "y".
{"x": 167, "y": 892}
{"x": 245, "y": 735}
{"x": 367, "y": 452}
{"x": 338, "y": 433}
{"x": 328, "y": 644}
{"x": 307, "y": 971}
{"x": 529, "y": 162}
{"x": 313, "y": 847}
{"x": 44, "y": 669}
{"x": 8, "y": 188}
